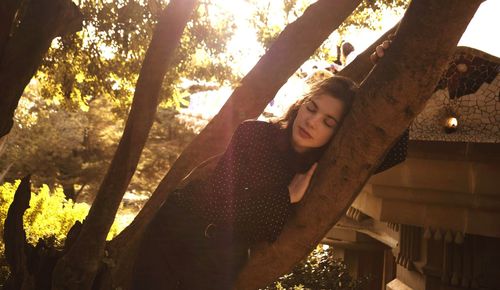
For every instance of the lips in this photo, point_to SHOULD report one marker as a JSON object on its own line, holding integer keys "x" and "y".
{"x": 304, "y": 134}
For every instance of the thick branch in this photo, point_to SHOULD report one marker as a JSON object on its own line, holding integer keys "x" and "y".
{"x": 77, "y": 269}
{"x": 393, "y": 94}
{"x": 359, "y": 68}
{"x": 42, "y": 22}
{"x": 14, "y": 237}
{"x": 295, "y": 44}
{"x": 8, "y": 9}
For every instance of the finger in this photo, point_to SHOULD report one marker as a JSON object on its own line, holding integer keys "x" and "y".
{"x": 373, "y": 57}
{"x": 386, "y": 44}
{"x": 380, "y": 51}
{"x": 311, "y": 170}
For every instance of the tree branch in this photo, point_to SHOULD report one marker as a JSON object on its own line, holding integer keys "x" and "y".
{"x": 8, "y": 10}
{"x": 359, "y": 68}
{"x": 295, "y": 45}
{"x": 77, "y": 269}
{"x": 391, "y": 96}
{"x": 14, "y": 237}
{"x": 23, "y": 52}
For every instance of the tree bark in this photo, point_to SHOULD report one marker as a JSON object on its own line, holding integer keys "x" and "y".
{"x": 14, "y": 237}
{"x": 359, "y": 68}
{"x": 388, "y": 100}
{"x": 8, "y": 9}
{"x": 69, "y": 191}
{"x": 295, "y": 45}
{"x": 23, "y": 51}
{"x": 5, "y": 171}
{"x": 30, "y": 266}
{"x": 78, "y": 267}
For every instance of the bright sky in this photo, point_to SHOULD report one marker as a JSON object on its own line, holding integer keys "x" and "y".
{"x": 482, "y": 32}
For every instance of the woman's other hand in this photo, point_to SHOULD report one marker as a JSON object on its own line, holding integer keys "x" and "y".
{"x": 380, "y": 51}
{"x": 299, "y": 184}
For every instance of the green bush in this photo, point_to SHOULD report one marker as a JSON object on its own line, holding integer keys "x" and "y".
{"x": 320, "y": 271}
{"x": 49, "y": 217}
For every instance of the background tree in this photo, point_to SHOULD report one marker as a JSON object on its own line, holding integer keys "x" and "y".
{"x": 27, "y": 30}
{"x": 87, "y": 79}
{"x": 73, "y": 147}
{"x": 104, "y": 59}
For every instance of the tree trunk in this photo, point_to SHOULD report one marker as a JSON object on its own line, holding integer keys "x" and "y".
{"x": 8, "y": 9}
{"x": 5, "y": 171}
{"x": 22, "y": 48}
{"x": 359, "y": 68}
{"x": 295, "y": 45}
{"x": 78, "y": 267}
{"x": 69, "y": 191}
{"x": 30, "y": 267}
{"x": 388, "y": 100}
{"x": 14, "y": 237}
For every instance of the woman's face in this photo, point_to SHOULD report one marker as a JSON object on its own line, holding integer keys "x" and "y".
{"x": 316, "y": 121}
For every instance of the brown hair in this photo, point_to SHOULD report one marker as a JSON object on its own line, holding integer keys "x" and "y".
{"x": 341, "y": 88}
{"x": 347, "y": 48}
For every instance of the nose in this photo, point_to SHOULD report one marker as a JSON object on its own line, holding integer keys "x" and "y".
{"x": 312, "y": 121}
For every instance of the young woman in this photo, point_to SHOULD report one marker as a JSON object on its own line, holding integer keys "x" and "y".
{"x": 200, "y": 237}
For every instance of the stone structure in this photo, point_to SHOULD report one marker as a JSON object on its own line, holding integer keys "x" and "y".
{"x": 433, "y": 222}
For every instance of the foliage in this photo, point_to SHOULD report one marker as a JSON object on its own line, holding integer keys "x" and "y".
{"x": 369, "y": 14}
{"x": 167, "y": 139}
{"x": 104, "y": 59}
{"x": 71, "y": 116}
{"x": 49, "y": 217}
{"x": 73, "y": 147}
{"x": 46, "y": 142}
{"x": 320, "y": 271}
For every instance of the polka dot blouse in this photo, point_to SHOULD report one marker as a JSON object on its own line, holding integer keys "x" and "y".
{"x": 248, "y": 190}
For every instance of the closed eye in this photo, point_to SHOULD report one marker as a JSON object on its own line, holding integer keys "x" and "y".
{"x": 329, "y": 122}
{"x": 311, "y": 107}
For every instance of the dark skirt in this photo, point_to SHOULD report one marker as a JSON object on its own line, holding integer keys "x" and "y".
{"x": 180, "y": 250}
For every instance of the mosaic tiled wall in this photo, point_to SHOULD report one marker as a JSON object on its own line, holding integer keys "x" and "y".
{"x": 469, "y": 91}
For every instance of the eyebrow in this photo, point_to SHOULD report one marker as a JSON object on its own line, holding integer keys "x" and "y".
{"x": 329, "y": 116}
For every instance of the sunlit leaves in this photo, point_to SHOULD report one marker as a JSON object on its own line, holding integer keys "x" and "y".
{"x": 104, "y": 60}
{"x": 72, "y": 147}
{"x": 370, "y": 13}
{"x": 49, "y": 216}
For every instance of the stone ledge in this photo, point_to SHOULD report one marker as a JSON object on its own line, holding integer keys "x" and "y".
{"x": 396, "y": 284}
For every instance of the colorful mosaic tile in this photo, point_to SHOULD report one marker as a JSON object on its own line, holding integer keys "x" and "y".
{"x": 468, "y": 91}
